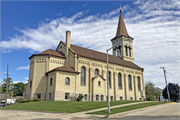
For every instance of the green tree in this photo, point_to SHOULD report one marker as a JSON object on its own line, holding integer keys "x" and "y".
{"x": 173, "y": 91}
{"x": 19, "y": 88}
{"x": 3, "y": 86}
{"x": 150, "y": 91}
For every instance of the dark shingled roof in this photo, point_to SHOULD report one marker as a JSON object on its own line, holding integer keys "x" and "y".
{"x": 50, "y": 52}
{"x": 63, "y": 68}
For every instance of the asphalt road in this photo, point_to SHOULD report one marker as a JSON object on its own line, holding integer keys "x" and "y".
{"x": 164, "y": 112}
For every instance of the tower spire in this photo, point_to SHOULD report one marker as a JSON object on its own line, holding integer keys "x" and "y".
{"x": 121, "y": 28}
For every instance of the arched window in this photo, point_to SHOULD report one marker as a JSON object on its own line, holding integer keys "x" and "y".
{"x": 51, "y": 81}
{"x": 119, "y": 81}
{"x": 96, "y": 72}
{"x": 99, "y": 83}
{"x": 126, "y": 51}
{"x": 83, "y": 76}
{"x": 129, "y": 81}
{"x": 129, "y": 52}
{"x": 109, "y": 74}
{"x": 138, "y": 83}
{"x": 67, "y": 81}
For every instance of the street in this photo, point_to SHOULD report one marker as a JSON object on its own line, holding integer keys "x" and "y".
{"x": 164, "y": 112}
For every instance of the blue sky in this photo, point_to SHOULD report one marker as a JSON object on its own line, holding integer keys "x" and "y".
{"x": 30, "y": 27}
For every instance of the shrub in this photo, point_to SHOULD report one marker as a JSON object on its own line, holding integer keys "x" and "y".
{"x": 36, "y": 99}
{"x": 80, "y": 97}
{"x": 29, "y": 100}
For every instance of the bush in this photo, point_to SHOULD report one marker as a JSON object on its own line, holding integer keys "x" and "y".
{"x": 36, "y": 99}
{"x": 80, "y": 97}
{"x": 150, "y": 98}
{"x": 23, "y": 100}
{"x": 29, "y": 100}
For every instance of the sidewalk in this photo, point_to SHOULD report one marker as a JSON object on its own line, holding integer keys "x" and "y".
{"x": 83, "y": 115}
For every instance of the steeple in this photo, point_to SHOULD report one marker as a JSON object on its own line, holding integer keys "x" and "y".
{"x": 121, "y": 29}
{"x": 122, "y": 43}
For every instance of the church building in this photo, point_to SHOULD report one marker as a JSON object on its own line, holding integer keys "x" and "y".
{"x": 70, "y": 70}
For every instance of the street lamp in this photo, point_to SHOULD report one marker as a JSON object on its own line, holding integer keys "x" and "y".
{"x": 128, "y": 39}
{"x": 165, "y": 81}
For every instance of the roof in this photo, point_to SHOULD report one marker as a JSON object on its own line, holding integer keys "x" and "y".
{"x": 63, "y": 68}
{"x": 16, "y": 97}
{"x": 50, "y": 52}
{"x": 3, "y": 96}
{"x": 97, "y": 76}
{"x": 121, "y": 29}
{"x": 102, "y": 57}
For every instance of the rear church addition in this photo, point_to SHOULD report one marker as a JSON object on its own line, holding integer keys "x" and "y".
{"x": 69, "y": 71}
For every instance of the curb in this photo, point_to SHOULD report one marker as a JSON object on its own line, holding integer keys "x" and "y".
{"x": 132, "y": 111}
{"x": 170, "y": 103}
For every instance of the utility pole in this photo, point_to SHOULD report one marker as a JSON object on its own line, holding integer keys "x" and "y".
{"x": 7, "y": 84}
{"x": 166, "y": 81}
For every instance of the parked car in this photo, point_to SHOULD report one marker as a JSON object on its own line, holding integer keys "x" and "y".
{"x": 3, "y": 104}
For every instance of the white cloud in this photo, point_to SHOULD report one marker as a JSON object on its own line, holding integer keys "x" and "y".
{"x": 23, "y": 67}
{"x": 154, "y": 25}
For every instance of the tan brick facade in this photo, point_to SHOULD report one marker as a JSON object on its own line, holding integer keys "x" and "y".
{"x": 49, "y": 71}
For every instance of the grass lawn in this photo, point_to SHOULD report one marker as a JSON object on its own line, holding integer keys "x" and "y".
{"x": 126, "y": 108}
{"x": 64, "y": 106}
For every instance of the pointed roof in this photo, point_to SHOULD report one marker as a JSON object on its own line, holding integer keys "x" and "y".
{"x": 121, "y": 28}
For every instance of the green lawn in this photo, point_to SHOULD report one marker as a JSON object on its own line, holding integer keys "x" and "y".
{"x": 64, "y": 106}
{"x": 126, "y": 108}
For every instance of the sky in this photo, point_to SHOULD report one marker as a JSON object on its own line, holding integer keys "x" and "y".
{"x": 30, "y": 27}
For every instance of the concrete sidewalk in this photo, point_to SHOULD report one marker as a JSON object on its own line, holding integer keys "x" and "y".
{"x": 83, "y": 115}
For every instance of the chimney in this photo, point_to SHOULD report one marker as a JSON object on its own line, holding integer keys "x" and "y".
{"x": 68, "y": 41}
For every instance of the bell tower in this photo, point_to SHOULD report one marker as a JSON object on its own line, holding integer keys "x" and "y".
{"x": 122, "y": 43}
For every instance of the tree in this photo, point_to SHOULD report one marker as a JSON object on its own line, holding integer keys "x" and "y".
{"x": 173, "y": 91}
{"x": 150, "y": 91}
{"x": 19, "y": 88}
{"x": 3, "y": 87}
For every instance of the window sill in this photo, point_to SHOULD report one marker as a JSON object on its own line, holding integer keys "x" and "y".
{"x": 66, "y": 85}
{"x": 83, "y": 85}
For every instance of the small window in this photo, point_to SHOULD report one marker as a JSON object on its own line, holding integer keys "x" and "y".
{"x": 85, "y": 97}
{"x": 51, "y": 81}
{"x": 67, "y": 81}
{"x": 121, "y": 98}
{"x": 140, "y": 98}
{"x": 97, "y": 97}
{"x": 102, "y": 98}
{"x": 96, "y": 72}
{"x": 99, "y": 83}
{"x": 30, "y": 84}
{"x": 49, "y": 96}
{"x": 111, "y": 98}
{"x": 66, "y": 96}
{"x": 39, "y": 96}
{"x": 131, "y": 98}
